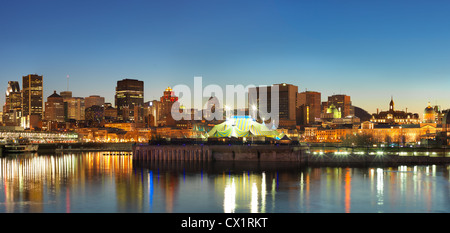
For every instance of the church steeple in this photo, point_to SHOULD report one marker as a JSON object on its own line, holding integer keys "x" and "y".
{"x": 391, "y": 105}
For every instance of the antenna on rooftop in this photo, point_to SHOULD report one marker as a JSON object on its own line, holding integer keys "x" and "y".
{"x": 67, "y": 82}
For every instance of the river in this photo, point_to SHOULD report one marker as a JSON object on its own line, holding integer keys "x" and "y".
{"x": 101, "y": 182}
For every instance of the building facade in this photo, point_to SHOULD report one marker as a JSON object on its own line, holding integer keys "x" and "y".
{"x": 12, "y": 110}
{"x": 32, "y": 100}
{"x": 342, "y": 103}
{"x": 94, "y": 100}
{"x": 75, "y": 108}
{"x": 395, "y": 117}
{"x": 54, "y": 108}
{"x": 129, "y": 93}
{"x": 309, "y": 104}
{"x": 165, "y": 107}
{"x": 287, "y": 103}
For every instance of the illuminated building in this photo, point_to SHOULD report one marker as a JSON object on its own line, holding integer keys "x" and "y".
{"x": 151, "y": 113}
{"x": 395, "y": 117}
{"x": 342, "y": 103}
{"x": 308, "y": 107}
{"x": 129, "y": 93}
{"x": 32, "y": 100}
{"x": 126, "y": 126}
{"x": 12, "y": 110}
{"x": 332, "y": 113}
{"x": 39, "y": 136}
{"x": 303, "y": 115}
{"x": 75, "y": 108}
{"x": 380, "y": 133}
{"x": 433, "y": 114}
{"x": 445, "y": 134}
{"x": 54, "y": 108}
{"x": 94, "y": 100}
{"x": 94, "y": 114}
{"x": 165, "y": 107}
{"x": 241, "y": 127}
{"x": 65, "y": 94}
{"x": 429, "y": 115}
{"x": 287, "y": 103}
{"x": 110, "y": 113}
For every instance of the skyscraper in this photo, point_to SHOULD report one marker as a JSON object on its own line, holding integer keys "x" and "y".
{"x": 75, "y": 108}
{"x": 12, "y": 110}
{"x": 310, "y": 100}
{"x": 165, "y": 107}
{"x": 129, "y": 93}
{"x": 32, "y": 100}
{"x": 54, "y": 108}
{"x": 287, "y": 103}
{"x": 151, "y": 112}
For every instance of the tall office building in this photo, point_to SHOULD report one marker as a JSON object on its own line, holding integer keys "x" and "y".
{"x": 32, "y": 100}
{"x": 129, "y": 93}
{"x": 151, "y": 113}
{"x": 75, "y": 108}
{"x": 287, "y": 103}
{"x": 12, "y": 110}
{"x": 311, "y": 101}
{"x": 54, "y": 108}
{"x": 342, "y": 103}
{"x": 165, "y": 107}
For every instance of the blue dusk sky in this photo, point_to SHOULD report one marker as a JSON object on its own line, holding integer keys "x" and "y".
{"x": 370, "y": 50}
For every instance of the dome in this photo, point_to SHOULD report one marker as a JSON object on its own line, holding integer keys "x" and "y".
{"x": 335, "y": 111}
{"x": 429, "y": 115}
{"x": 429, "y": 109}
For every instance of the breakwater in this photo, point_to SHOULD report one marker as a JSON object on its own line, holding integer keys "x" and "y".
{"x": 273, "y": 153}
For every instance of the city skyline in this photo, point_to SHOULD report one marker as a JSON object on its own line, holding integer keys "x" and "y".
{"x": 369, "y": 51}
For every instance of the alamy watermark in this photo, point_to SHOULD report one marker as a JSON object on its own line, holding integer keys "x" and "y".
{"x": 250, "y": 97}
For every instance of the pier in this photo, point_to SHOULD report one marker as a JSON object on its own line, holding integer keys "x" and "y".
{"x": 277, "y": 153}
{"x": 218, "y": 153}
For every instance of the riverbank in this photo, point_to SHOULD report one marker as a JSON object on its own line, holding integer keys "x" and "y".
{"x": 82, "y": 147}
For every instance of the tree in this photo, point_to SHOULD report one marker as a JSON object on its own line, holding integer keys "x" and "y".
{"x": 362, "y": 139}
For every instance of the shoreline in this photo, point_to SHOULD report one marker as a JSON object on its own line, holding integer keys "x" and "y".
{"x": 273, "y": 153}
{"x": 301, "y": 154}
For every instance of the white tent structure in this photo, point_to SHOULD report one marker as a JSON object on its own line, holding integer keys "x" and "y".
{"x": 243, "y": 126}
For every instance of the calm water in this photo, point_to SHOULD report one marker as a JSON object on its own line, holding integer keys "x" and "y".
{"x": 98, "y": 183}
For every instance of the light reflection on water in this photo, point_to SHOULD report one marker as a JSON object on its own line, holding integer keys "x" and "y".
{"x": 93, "y": 182}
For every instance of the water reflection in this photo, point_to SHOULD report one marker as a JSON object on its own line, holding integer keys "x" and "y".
{"x": 32, "y": 182}
{"x": 93, "y": 182}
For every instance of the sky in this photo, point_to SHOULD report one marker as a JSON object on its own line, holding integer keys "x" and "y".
{"x": 369, "y": 50}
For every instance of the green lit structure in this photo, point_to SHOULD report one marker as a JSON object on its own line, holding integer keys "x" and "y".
{"x": 243, "y": 127}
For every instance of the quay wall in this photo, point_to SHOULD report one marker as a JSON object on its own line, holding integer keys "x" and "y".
{"x": 366, "y": 159}
{"x": 83, "y": 146}
{"x": 270, "y": 153}
{"x": 217, "y": 153}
